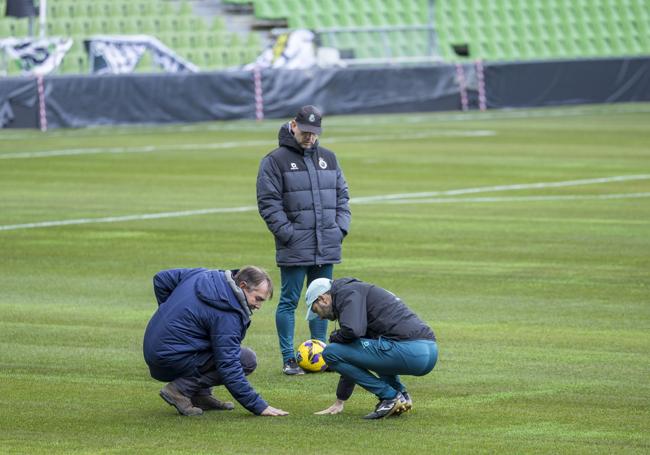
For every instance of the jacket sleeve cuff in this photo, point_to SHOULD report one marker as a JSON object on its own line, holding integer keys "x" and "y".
{"x": 344, "y": 389}
{"x": 259, "y": 406}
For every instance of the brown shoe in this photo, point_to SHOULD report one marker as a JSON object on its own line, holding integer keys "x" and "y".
{"x": 183, "y": 404}
{"x": 210, "y": 403}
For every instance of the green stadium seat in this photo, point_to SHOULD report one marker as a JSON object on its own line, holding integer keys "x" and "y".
{"x": 146, "y": 25}
{"x": 165, "y": 9}
{"x": 97, "y": 26}
{"x": 19, "y": 27}
{"x": 110, "y": 9}
{"x": 128, "y": 26}
{"x": 5, "y": 28}
{"x": 218, "y": 24}
{"x": 185, "y": 9}
{"x": 197, "y": 40}
{"x": 56, "y": 10}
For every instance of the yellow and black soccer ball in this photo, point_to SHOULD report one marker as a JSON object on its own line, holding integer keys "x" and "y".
{"x": 310, "y": 356}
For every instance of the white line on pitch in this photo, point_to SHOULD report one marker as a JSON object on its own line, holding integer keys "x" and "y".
{"x": 489, "y": 189}
{"x": 117, "y": 219}
{"x": 239, "y": 144}
{"x": 397, "y": 198}
{"x": 570, "y": 197}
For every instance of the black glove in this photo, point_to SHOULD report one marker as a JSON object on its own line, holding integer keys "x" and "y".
{"x": 335, "y": 337}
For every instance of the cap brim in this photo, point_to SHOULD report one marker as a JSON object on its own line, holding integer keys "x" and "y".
{"x": 309, "y": 128}
{"x": 310, "y": 315}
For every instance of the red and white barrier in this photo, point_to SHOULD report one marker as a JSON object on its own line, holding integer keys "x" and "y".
{"x": 259, "y": 99}
{"x": 42, "y": 114}
{"x": 462, "y": 85}
{"x": 480, "y": 77}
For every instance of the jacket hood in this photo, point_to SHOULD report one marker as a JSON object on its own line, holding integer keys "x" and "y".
{"x": 286, "y": 139}
{"x": 337, "y": 284}
{"x": 212, "y": 288}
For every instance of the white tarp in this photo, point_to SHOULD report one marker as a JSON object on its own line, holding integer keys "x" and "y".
{"x": 296, "y": 50}
{"x": 121, "y": 54}
{"x": 36, "y": 56}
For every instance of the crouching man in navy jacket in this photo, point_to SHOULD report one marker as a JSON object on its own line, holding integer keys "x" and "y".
{"x": 193, "y": 341}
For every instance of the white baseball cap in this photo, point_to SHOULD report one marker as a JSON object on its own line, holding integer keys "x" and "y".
{"x": 315, "y": 289}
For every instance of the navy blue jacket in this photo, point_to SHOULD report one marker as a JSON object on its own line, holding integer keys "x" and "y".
{"x": 199, "y": 315}
{"x": 303, "y": 197}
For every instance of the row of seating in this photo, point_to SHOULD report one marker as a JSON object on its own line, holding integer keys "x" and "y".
{"x": 132, "y": 25}
{"x": 543, "y": 29}
{"x": 374, "y": 44}
{"x": 116, "y": 8}
{"x": 343, "y": 13}
{"x": 494, "y": 29}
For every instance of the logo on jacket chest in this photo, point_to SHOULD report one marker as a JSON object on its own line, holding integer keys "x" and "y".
{"x": 296, "y": 167}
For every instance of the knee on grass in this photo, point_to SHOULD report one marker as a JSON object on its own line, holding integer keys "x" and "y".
{"x": 248, "y": 360}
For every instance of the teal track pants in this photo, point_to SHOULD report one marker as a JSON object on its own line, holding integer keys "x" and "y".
{"x": 387, "y": 358}
{"x": 293, "y": 280}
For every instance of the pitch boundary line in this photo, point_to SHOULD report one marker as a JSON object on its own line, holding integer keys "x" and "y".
{"x": 569, "y": 197}
{"x": 489, "y": 189}
{"x": 406, "y": 198}
{"x": 239, "y": 144}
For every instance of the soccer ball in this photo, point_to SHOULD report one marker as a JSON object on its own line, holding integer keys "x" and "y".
{"x": 310, "y": 356}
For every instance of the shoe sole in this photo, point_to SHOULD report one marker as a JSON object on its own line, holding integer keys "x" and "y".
{"x": 294, "y": 374}
{"x": 208, "y": 409}
{"x": 170, "y": 401}
{"x": 404, "y": 407}
{"x": 398, "y": 409}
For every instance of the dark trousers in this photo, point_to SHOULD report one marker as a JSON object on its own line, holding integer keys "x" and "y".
{"x": 387, "y": 358}
{"x": 209, "y": 376}
{"x": 293, "y": 280}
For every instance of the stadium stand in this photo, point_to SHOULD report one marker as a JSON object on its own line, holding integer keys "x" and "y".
{"x": 496, "y": 30}
{"x": 492, "y": 30}
{"x": 208, "y": 45}
{"x": 544, "y": 29}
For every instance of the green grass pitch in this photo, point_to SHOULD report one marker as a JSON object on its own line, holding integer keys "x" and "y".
{"x": 522, "y": 237}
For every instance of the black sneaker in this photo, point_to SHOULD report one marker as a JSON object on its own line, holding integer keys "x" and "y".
{"x": 291, "y": 368}
{"x": 386, "y": 408}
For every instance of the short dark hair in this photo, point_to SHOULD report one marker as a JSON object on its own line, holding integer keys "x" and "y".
{"x": 253, "y": 277}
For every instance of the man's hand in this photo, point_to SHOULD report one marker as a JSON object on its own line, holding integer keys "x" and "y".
{"x": 271, "y": 411}
{"x": 334, "y": 409}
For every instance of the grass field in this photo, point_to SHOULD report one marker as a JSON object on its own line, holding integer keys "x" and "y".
{"x": 522, "y": 237}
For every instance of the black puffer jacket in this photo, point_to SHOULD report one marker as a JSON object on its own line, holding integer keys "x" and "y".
{"x": 368, "y": 311}
{"x": 303, "y": 197}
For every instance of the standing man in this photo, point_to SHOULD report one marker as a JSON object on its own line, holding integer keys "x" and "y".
{"x": 303, "y": 197}
{"x": 194, "y": 338}
{"x": 378, "y": 333}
